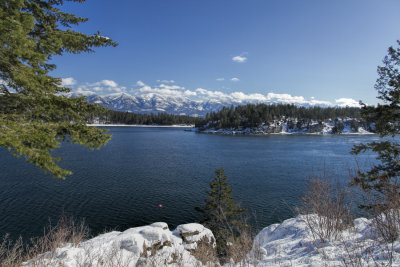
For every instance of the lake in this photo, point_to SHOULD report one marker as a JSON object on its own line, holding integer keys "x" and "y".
{"x": 121, "y": 185}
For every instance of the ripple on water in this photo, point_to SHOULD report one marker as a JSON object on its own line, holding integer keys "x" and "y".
{"x": 121, "y": 185}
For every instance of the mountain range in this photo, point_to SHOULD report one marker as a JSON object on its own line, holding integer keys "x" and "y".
{"x": 178, "y": 105}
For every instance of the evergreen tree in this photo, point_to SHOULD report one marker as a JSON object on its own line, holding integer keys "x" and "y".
{"x": 252, "y": 115}
{"x": 221, "y": 213}
{"x": 383, "y": 178}
{"x": 338, "y": 128}
{"x": 35, "y": 116}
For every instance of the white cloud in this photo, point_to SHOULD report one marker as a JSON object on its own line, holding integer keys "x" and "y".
{"x": 109, "y": 83}
{"x": 189, "y": 93}
{"x": 287, "y": 98}
{"x": 202, "y": 91}
{"x": 68, "y": 81}
{"x": 171, "y": 87}
{"x": 239, "y": 96}
{"x": 140, "y": 83}
{"x": 166, "y": 81}
{"x": 343, "y": 102}
{"x": 220, "y": 79}
{"x": 95, "y": 88}
{"x": 235, "y": 79}
{"x": 165, "y": 90}
{"x": 212, "y": 94}
{"x": 84, "y": 92}
{"x": 200, "y": 94}
{"x": 239, "y": 59}
{"x": 102, "y": 87}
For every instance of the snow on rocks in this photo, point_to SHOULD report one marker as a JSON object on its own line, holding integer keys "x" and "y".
{"x": 291, "y": 243}
{"x": 293, "y": 126}
{"x": 193, "y": 233}
{"x": 151, "y": 245}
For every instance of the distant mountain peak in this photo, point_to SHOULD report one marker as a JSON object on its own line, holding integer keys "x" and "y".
{"x": 178, "y": 105}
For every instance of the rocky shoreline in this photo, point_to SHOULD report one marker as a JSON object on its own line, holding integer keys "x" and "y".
{"x": 344, "y": 126}
{"x": 290, "y": 243}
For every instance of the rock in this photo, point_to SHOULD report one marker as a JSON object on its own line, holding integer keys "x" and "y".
{"x": 151, "y": 245}
{"x": 274, "y": 129}
{"x": 315, "y": 128}
{"x": 199, "y": 241}
{"x": 193, "y": 233}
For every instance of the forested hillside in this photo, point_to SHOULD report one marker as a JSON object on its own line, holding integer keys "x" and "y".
{"x": 255, "y": 115}
{"x": 247, "y": 116}
{"x": 119, "y": 117}
{"x": 283, "y": 118}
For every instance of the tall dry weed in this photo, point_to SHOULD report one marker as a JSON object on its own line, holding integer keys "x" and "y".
{"x": 65, "y": 231}
{"x": 325, "y": 209}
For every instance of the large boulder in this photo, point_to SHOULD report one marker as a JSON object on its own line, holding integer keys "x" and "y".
{"x": 193, "y": 234}
{"x": 151, "y": 245}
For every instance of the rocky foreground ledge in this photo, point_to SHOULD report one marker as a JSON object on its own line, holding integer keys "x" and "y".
{"x": 151, "y": 245}
{"x": 290, "y": 243}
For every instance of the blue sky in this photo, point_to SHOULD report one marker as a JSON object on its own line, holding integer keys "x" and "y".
{"x": 322, "y": 49}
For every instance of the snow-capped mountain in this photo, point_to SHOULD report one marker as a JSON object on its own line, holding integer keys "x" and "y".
{"x": 179, "y": 105}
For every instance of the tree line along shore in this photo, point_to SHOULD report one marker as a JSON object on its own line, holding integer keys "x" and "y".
{"x": 250, "y": 115}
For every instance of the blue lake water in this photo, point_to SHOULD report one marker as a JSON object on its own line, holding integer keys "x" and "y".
{"x": 121, "y": 185}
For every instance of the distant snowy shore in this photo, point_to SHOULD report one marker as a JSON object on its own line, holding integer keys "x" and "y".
{"x": 342, "y": 126}
{"x": 251, "y": 131}
{"x": 139, "y": 125}
{"x": 290, "y": 243}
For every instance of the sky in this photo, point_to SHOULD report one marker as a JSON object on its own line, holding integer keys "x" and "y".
{"x": 311, "y": 49}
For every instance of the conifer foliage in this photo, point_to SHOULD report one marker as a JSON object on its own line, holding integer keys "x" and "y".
{"x": 35, "y": 116}
{"x": 113, "y": 116}
{"x": 383, "y": 178}
{"x": 221, "y": 214}
{"x": 254, "y": 115}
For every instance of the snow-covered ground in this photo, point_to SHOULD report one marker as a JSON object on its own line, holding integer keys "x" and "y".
{"x": 290, "y": 243}
{"x": 151, "y": 245}
{"x": 292, "y": 127}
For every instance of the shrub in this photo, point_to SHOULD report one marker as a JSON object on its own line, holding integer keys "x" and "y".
{"x": 325, "y": 209}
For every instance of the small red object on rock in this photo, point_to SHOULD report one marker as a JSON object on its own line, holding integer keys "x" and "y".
{"x": 159, "y": 205}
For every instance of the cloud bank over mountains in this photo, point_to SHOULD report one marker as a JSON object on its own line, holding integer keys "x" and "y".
{"x": 167, "y": 93}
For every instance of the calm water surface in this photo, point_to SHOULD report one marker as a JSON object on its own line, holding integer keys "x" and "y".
{"x": 121, "y": 185}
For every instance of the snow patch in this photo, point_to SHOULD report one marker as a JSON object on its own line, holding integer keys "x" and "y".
{"x": 150, "y": 245}
{"x": 289, "y": 243}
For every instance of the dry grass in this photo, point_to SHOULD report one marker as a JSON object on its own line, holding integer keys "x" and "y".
{"x": 205, "y": 252}
{"x": 65, "y": 231}
{"x": 386, "y": 222}
{"x": 329, "y": 216}
{"x": 327, "y": 213}
{"x": 387, "y": 217}
{"x": 239, "y": 247}
{"x": 11, "y": 254}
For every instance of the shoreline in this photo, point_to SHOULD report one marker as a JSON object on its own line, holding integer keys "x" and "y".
{"x": 226, "y": 132}
{"x": 283, "y": 133}
{"x": 289, "y": 243}
{"x": 139, "y": 125}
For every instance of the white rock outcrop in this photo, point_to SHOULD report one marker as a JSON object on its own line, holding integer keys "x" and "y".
{"x": 290, "y": 243}
{"x": 151, "y": 245}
